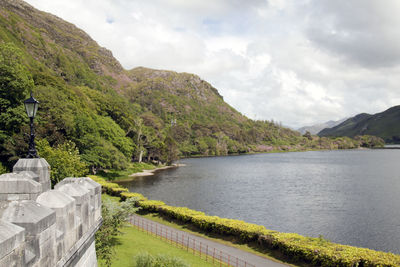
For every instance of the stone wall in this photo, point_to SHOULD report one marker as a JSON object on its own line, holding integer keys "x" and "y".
{"x": 44, "y": 227}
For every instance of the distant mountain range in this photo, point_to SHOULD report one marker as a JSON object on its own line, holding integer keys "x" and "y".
{"x": 315, "y": 129}
{"x": 385, "y": 125}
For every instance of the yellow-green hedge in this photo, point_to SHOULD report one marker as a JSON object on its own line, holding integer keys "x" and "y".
{"x": 316, "y": 251}
{"x": 138, "y": 196}
{"x": 150, "y": 205}
{"x": 321, "y": 252}
{"x": 109, "y": 188}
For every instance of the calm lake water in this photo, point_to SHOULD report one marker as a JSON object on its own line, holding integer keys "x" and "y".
{"x": 349, "y": 197}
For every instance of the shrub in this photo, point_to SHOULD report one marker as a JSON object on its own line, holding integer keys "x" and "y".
{"x": 114, "y": 215}
{"x": 317, "y": 251}
{"x": 150, "y": 205}
{"x": 126, "y": 195}
{"x": 2, "y": 169}
{"x": 147, "y": 260}
{"x": 64, "y": 160}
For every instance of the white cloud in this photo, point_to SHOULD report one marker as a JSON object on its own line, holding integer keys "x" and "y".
{"x": 294, "y": 61}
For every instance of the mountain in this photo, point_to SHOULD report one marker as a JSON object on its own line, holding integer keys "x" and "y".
{"x": 385, "y": 125}
{"x": 315, "y": 129}
{"x": 112, "y": 115}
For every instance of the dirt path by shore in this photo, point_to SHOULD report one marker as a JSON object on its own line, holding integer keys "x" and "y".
{"x": 151, "y": 172}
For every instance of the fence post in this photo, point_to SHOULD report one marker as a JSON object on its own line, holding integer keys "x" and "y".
{"x": 229, "y": 259}
{"x": 220, "y": 258}
{"x": 207, "y": 253}
{"x": 200, "y": 250}
{"x": 237, "y": 262}
{"x": 187, "y": 244}
{"x": 213, "y": 256}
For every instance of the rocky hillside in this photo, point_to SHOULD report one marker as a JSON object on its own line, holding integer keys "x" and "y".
{"x": 385, "y": 125}
{"x": 315, "y": 129}
{"x": 113, "y": 115}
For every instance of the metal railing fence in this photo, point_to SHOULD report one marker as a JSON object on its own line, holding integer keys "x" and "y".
{"x": 190, "y": 244}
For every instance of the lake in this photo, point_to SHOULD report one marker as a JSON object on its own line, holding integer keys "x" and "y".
{"x": 349, "y": 197}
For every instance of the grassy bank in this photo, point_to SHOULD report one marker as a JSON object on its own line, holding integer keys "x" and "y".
{"x": 120, "y": 175}
{"x": 132, "y": 242}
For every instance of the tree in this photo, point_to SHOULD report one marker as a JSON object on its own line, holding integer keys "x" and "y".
{"x": 114, "y": 215}
{"x": 15, "y": 80}
{"x": 170, "y": 151}
{"x": 64, "y": 160}
{"x": 308, "y": 135}
{"x": 139, "y": 138}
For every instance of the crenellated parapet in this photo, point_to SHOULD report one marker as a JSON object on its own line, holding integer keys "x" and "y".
{"x": 44, "y": 227}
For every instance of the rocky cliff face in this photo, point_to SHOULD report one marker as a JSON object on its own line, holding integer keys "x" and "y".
{"x": 315, "y": 129}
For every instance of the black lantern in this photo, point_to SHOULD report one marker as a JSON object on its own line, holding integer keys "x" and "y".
{"x": 31, "y": 106}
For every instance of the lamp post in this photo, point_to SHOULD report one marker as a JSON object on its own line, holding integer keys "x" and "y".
{"x": 31, "y": 106}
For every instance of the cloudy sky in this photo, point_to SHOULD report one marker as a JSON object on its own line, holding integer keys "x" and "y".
{"x": 294, "y": 61}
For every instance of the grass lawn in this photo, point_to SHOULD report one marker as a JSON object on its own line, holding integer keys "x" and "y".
{"x": 114, "y": 175}
{"x": 132, "y": 242}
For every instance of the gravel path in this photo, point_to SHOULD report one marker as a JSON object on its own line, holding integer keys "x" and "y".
{"x": 237, "y": 257}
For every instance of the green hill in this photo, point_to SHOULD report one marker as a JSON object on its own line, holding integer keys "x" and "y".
{"x": 113, "y": 115}
{"x": 385, "y": 125}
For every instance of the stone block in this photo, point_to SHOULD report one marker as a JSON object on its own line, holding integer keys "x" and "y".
{"x": 37, "y": 165}
{"x": 96, "y": 189}
{"x": 82, "y": 197}
{"x": 60, "y": 247}
{"x": 18, "y": 183}
{"x": 30, "y": 174}
{"x": 28, "y": 214}
{"x": 61, "y": 203}
{"x": 89, "y": 258}
{"x": 95, "y": 195}
{"x": 11, "y": 237}
{"x": 14, "y": 259}
{"x": 47, "y": 245}
{"x": 64, "y": 206}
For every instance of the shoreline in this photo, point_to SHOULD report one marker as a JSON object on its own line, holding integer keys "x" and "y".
{"x": 145, "y": 173}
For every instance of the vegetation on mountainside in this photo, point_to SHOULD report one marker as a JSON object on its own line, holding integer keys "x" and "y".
{"x": 385, "y": 125}
{"x": 114, "y": 116}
